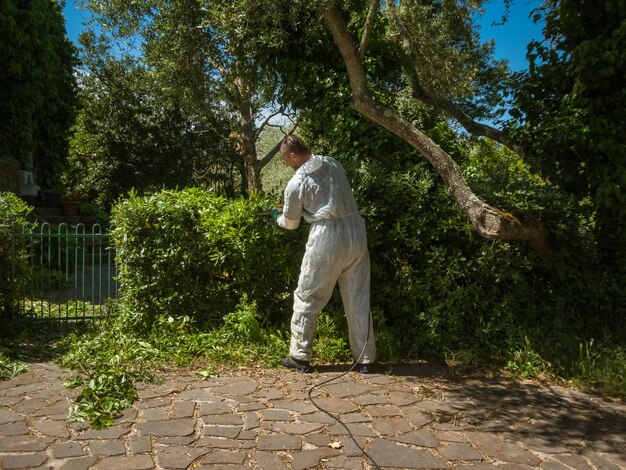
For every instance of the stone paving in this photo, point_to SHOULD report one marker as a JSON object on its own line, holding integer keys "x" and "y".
{"x": 414, "y": 417}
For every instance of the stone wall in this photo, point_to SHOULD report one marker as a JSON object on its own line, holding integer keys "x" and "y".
{"x": 8, "y": 175}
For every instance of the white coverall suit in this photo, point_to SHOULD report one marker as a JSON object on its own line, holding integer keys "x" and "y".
{"x": 335, "y": 251}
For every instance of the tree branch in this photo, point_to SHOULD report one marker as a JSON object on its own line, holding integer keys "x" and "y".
{"x": 268, "y": 157}
{"x": 266, "y": 122}
{"x": 450, "y": 108}
{"x": 367, "y": 28}
{"x": 343, "y": 41}
{"x": 488, "y": 221}
{"x": 447, "y": 106}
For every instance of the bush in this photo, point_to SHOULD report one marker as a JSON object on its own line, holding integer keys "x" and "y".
{"x": 437, "y": 286}
{"x": 441, "y": 291}
{"x": 13, "y": 267}
{"x": 193, "y": 254}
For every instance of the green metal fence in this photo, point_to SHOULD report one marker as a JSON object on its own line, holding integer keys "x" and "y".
{"x": 72, "y": 273}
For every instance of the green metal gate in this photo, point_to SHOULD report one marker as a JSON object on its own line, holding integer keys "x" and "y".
{"x": 72, "y": 272}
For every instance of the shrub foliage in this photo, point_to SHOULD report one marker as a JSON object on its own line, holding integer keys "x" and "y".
{"x": 208, "y": 281}
{"x": 192, "y": 253}
{"x": 441, "y": 291}
{"x": 13, "y": 267}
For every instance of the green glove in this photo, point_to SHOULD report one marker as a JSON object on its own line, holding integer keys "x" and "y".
{"x": 275, "y": 213}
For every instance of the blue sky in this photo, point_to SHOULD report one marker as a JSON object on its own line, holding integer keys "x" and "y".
{"x": 511, "y": 38}
{"x": 74, "y": 20}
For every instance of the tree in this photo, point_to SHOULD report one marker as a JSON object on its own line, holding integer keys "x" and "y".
{"x": 203, "y": 55}
{"x": 571, "y": 112}
{"x": 250, "y": 90}
{"x": 130, "y": 134}
{"x": 412, "y": 59}
{"x": 37, "y": 87}
{"x": 488, "y": 221}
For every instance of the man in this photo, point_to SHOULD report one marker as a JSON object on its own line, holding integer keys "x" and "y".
{"x": 336, "y": 251}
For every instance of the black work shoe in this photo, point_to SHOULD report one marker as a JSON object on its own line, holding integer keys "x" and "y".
{"x": 291, "y": 363}
{"x": 365, "y": 368}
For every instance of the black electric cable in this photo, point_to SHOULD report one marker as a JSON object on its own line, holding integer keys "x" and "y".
{"x": 319, "y": 385}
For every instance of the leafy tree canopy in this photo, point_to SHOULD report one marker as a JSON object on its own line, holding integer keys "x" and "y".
{"x": 131, "y": 133}
{"x": 202, "y": 53}
{"x": 37, "y": 88}
{"x": 572, "y": 110}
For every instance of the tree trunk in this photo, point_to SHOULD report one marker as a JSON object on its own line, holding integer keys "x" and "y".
{"x": 251, "y": 168}
{"x": 246, "y": 137}
{"x": 253, "y": 176}
{"x": 488, "y": 221}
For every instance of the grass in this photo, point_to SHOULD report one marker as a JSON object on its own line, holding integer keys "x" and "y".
{"x": 599, "y": 368}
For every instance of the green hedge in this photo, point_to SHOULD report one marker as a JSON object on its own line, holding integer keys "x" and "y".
{"x": 438, "y": 290}
{"x": 13, "y": 268}
{"x": 193, "y": 254}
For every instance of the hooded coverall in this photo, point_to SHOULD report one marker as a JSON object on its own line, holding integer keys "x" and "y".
{"x": 336, "y": 250}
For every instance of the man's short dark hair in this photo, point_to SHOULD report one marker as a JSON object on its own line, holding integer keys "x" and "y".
{"x": 293, "y": 143}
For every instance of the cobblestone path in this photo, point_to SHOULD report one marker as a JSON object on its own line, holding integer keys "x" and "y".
{"x": 415, "y": 417}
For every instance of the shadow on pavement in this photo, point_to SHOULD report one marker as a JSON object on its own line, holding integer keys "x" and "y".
{"x": 412, "y": 369}
{"x": 546, "y": 417}
{"x": 41, "y": 340}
